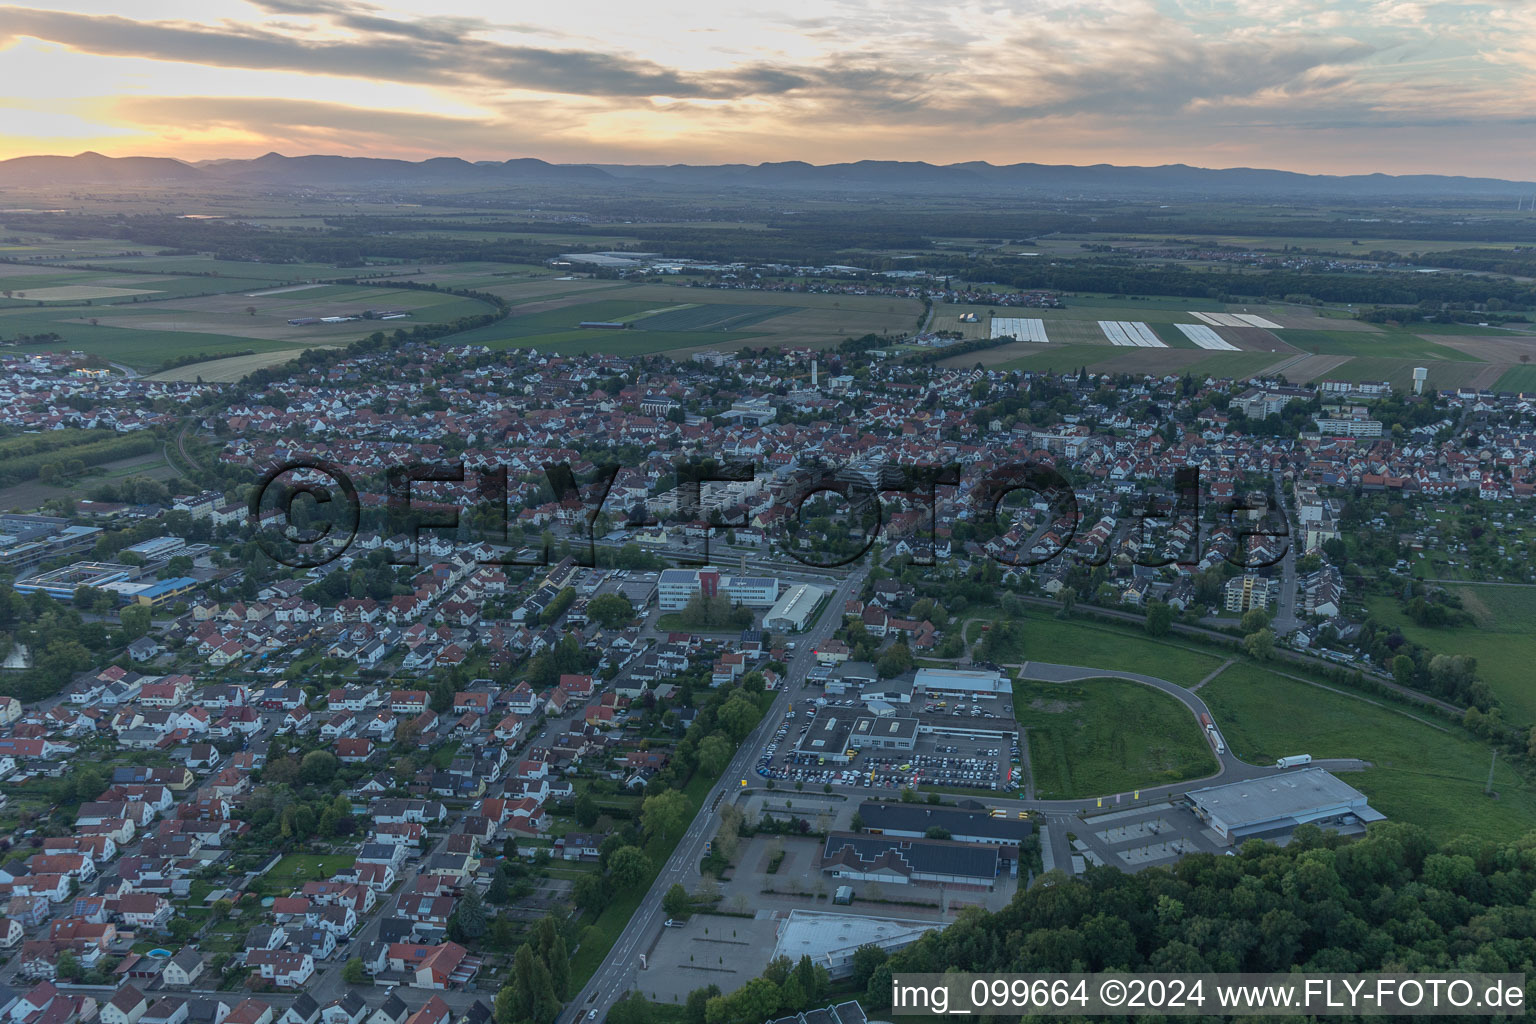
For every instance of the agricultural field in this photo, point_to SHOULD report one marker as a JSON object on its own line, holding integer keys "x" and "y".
{"x": 1500, "y": 639}
{"x": 676, "y": 320}
{"x": 712, "y": 317}
{"x": 79, "y": 287}
{"x": 1421, "y": 771}
{"x": 950, "y": 322}
{"x": 147, "y": 335}
{"x": 1103, "y": 736}
{"x": 1396, "y": 343}
{"x": 1517, "y": 378}
{"x": 1079, "y": 642}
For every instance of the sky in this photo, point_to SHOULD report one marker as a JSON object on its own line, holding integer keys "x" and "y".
{"x": 1322, "y": 86}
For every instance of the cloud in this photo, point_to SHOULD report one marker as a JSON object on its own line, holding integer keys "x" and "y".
{"x": 405, "y": 52}
{"x": 829, "y": 79}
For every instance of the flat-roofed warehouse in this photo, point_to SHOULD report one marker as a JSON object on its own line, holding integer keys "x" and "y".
{"x": 827, "y": 738}
{"x": 884, "y": 733}
{"x": 955, "y": 682}
{"x": 913, "y": 821}
{"x": 793, "y": 610}
{"x": 903, "y": 861}
{"x": 1275, "y": 804}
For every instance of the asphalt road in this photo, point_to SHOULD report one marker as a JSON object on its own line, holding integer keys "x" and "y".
{"x": 616, "y": 974}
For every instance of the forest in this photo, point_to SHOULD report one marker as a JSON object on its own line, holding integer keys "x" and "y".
{"x": 1391, "y": 901}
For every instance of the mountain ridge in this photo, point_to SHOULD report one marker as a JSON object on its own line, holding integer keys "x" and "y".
{"x": 975, "y": 176}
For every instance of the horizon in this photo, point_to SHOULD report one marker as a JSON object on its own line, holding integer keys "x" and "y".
{"x": 491, "y": 161}
{"x": 1382, "y": 86}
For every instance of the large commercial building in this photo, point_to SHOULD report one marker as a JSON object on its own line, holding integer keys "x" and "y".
{"x": 793, "y": 611}
{"x": 28, "y": 541}
{"x": 61, "y": 583}
{"x": 884, "y": 733}
{"x": 677, "y": 587}
{"x": 912, "y": 821}
{"x": 902, "y": 861}
{"x": 957, "y": 682}
{"x": 830, "y": 939}
{"x": 157, "y": 548}
{"x": 828, "y": 738}
{"x": 154, "y": 593}
{"x": 1275, "y": 804}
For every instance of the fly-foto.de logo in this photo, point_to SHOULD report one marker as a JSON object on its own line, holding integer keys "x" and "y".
{"x": 307, "y": 512}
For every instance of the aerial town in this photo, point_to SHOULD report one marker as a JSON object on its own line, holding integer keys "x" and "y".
{"x": 542, "y": 730}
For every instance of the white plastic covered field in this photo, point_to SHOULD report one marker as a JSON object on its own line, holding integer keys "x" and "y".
{"x": 1130, "y": 334}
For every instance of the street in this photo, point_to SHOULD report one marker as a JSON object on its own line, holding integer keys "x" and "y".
{"x": 616, "y": 974}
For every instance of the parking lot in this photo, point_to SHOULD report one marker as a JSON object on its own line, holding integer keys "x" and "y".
{"x": 960, "y": 745}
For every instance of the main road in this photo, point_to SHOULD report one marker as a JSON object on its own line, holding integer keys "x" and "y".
{"x": 616, "y": 974}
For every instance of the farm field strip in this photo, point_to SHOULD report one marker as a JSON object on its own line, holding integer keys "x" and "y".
{"x": 1206, "y": 338}
{"x": 1130, "y": 334}
{"x": 1019, "y": 328}
{"x": 280, "y": 291}
{"x": 708, "y": 317}
{"x": 1236, "y": 320}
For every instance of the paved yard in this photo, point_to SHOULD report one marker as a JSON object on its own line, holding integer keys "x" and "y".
{"x": 707, "y": 950}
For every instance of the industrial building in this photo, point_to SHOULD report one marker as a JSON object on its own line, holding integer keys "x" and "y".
{"x": 677, "y": 587}
{"x": 956, "y": 682}
{"x": 157, "y": 548}
{"x": 828, "y": 738}
{"x": 793, "y": 611}
{"x": 61, "y": 583}
{"x": 884, "y": 733}
{"x": 28, "y": 541}
{"x": 903, "y": 861}
{"x": 913, "y": 821}
{"x": 1275, "y": 804}
{"x": 154, "y": 593}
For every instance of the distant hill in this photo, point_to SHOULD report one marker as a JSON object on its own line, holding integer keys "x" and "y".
{"x": 974, "y": 177}
{"x": 95, "y": 169}
{"x": 1057, "y": 179}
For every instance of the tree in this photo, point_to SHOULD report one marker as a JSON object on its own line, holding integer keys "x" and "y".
{"x": 610, "y": 610}
{"x": 1159, "y": 618}
{"x": 1254, "y": 619}
{"x": 632, "y": 1009}
{"x": 135, "y": 620}
{"x": 937, "y": 832}
{"x": 865, "y": 959}
{"x": 664, "y": 813}
{"x": 500, "y": 888}
{"x": 738, "y": 715}
{"x": 468, "y": 921}
{"x": 550, "y": 946}
{"x": 318, "y": 766}
{"x": 587, "y": 811}
{"x": 693, "y": 1008}
{"x": 714, "y": 754}
{"x": 676, "y": 902}
{"x": 1260, "y": 645}
{"x": 629, "y": 866}
{"x": 532, "y": 992}
{"x": 353, "y": 973}
{"x": 590, "y": 892}
{"x": 68, "y": 966}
